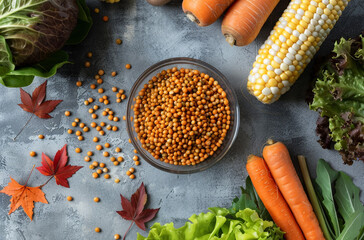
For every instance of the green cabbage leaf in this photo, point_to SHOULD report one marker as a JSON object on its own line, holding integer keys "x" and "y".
{"x": 32, "y": 32}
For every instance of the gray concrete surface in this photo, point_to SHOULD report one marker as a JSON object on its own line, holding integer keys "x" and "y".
{"x": 149, "y": 34}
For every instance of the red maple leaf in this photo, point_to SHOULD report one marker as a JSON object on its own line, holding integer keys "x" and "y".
{"x": 134, "y": 210}
{"x": 24, "y": 196}
{"x": 36, "y": 105}
{"x": 58, "y": 168}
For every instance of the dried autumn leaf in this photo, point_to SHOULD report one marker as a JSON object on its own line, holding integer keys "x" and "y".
{"x": 58, "y": 168}
{"x": 24, "y": 196}
{"x": 134, "y": 210}
{"x": 36, "y": 105}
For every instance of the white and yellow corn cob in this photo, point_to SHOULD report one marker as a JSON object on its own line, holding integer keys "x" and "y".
{"x": 291, "y": 45}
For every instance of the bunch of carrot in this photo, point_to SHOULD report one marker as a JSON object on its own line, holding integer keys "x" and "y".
{"x": 242, "y": 21}
{"x": 277, "y": 184}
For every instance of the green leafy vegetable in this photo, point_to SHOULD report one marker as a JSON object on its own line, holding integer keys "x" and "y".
{"x": 246, "y": 219}
{"x": 340, "y": 203}
{"x": 31, "y": 34}
{"x": 218, "y": 224}
{"x": 339, "y": 97}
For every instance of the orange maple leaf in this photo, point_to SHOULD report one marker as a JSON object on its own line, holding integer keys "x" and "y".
{"x": 23, "y": 196}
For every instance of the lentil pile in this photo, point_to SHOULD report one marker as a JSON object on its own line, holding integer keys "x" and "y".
{"x": 181, "y": 116}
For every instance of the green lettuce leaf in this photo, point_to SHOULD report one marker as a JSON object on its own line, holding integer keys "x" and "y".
{"x": 218, "y": 224}
{"x": 339, "y": 97}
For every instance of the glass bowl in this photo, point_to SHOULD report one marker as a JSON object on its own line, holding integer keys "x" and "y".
{"x": 202, "y": 67}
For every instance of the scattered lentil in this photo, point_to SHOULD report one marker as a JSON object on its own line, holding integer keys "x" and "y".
{"x": 116, "y": 163}
{"x": 114, "y": 128}
{"x": 99, "y": 147}
{"x": 74, "y": 124}
{"x": 99, "y": 81}
{"x": 96, "y": 199}
{"x": 80, "y": 138}
{"x": 87, "y": 159}
{"x": 102, "y": 165}
{"x": 118, "y": 41}
{"x": 95, "y": 175}
{"x": 105, "y": 18}
{"x": 92, "y": 86}
{"x": 40, "y": 136}
{"x": 89, "y": 54}
{"x": 132, "y": 176}
{"x": 67, "y": 113}
{"x": 78, "y": 150}
{"x": 113, "y": 74}
{"x": 69, "y": 198}
{"x": 117, "y": 149}
{"x": 78, "y": 83}
{"x": 78, "y": 133}
{"x": 96, "y": 10}
{"x": 97, "y": 229}
{"x": 106, "y": 154}
{"x": 117, "y": 180}
{"x": 105, "y": 170}
{"x": 112, "y": 159}
{"x": 95, "y": 163}
{"x": 102, "y": 133}
{"x": 99, "y": 171}
{"x": 107, "y": 145}
{"x": 32, "y": 153}
{"x": 82, "y": 125}
{"x": 120, "y": 159}
{"x": 87, "y": 64}
{"x": 107, "y": 176}
{"x": 94, "y": 115}
{"x": 128, "y": 66}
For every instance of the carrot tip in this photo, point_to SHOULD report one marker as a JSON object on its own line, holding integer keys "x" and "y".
{"x": 230, "y": 39}
{"x": 270, "y": 141}
{"x": 192, "y": 17}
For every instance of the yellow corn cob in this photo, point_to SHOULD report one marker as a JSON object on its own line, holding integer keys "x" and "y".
{"x": 111, "y": 1}
{"x": 291, "y": 45}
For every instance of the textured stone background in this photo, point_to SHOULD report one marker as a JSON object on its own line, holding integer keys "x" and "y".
{"x": 150, "y": 34}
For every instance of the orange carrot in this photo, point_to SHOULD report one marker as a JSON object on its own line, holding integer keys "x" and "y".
{"x": 205, "y": 12}
{"x": 285, "y": 175}
{"x": 244, "y": 19}
{"x": 272, "y": 198}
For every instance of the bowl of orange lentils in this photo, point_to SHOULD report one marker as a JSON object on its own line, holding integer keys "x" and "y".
{"x": 182, "y": 115}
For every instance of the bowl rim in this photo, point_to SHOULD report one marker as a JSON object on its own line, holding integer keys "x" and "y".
{"x": 176, "y": 61}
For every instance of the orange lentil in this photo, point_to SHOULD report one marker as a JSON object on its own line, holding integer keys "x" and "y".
{"x": 96, "y": 10}
{"x": 102, "y": 165}
{"x": 128, "y": 173}
{"x": 105, "y": 97}
{"x": 94, "y": 115}
{"x": 95, "y": 163}
{"x": 115, "y": 119}
{"x": 92, "y": 86}
{"x": 87, "y": 64}
{"x": 74, "y": 124}
{"x": 110, "y": 117}
{"x": 101, "y": 100}
{"x": 107, "y": 145}
{"x": 123, "y": 97}
{"x": 99, "y": 171}
{"x": 132, "y": 170}
{"x": 121, "y": 91}
{"x": 70, "y": 131}
{"x": 112, "y": 159}
{"x": 40, "y": 136}
{"x": 129, "y": 140}
{"x": 114, "y": 89}
{"x": 32, "y": 153}
{"x": 107, "y": 176}
{"x": 78, "y": 83}
{"x": 89, "y": 153}
{"x": 135, "y": 158}
{"x": 100, "y": 90}
{"x": 102, "y": 124}
{"x": 117, "y": 236}
{"x": 100, "y": 81}
{"x": 86, "y": 102}
{"x": 67, "y": 113}
{"x": 132, "y": 176}
{"x": 118, "y": 41}
{"x": 82, "y": 125}
{"x": 111, "y": 112}
{"x": 99, "y": 147}
{"x": 114, "y": 128}
{"x": 78, "y": 133}
{"x": 97, "y": 229}
{"x": 105, "y": 18}
{"x": 104, "y": 113}
{"x": 97, "y": 76}
{"x": 117, "y": 180}
{"x": 95, "y": 139}
{"x": 96, "y": 199}
{"x": 116, "y": 163}
{"x": 69, "y": 198}
{"x": 124, "y": 118}
{"x": 137, "y": 163}
{"x": 102, "y": 133}
{"x": 113, "y": 74}
{"x": 105, "y": 170}
{"x": 106, "y": 102}
{"x": 118, "y": 100}
{"x": 93, "y": 124}
{"x": 89, "y": 54}
{"x": 117, "y": 149}
{"x": 109, "y": 127}
{"x": 120, "y": 159}
{"x": 128, "y": 66}
{"x": 87, "y": 159}
{"x": 80, "y": 138}
{"x": 106, "y": 154}
{"x": 135, "y": 151}
{"x": 98, "y": 128}
{"x": 91, "y": 110}
{"x": 78, "y": 150}
{"x": 101, "y": 72}
{"x": 95, "y": 175}
{"x": 90, "y": 100}
{"x": 96, "y": 107}
{"x": 91, "y": 167}
{"x": 86, "y": 129}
